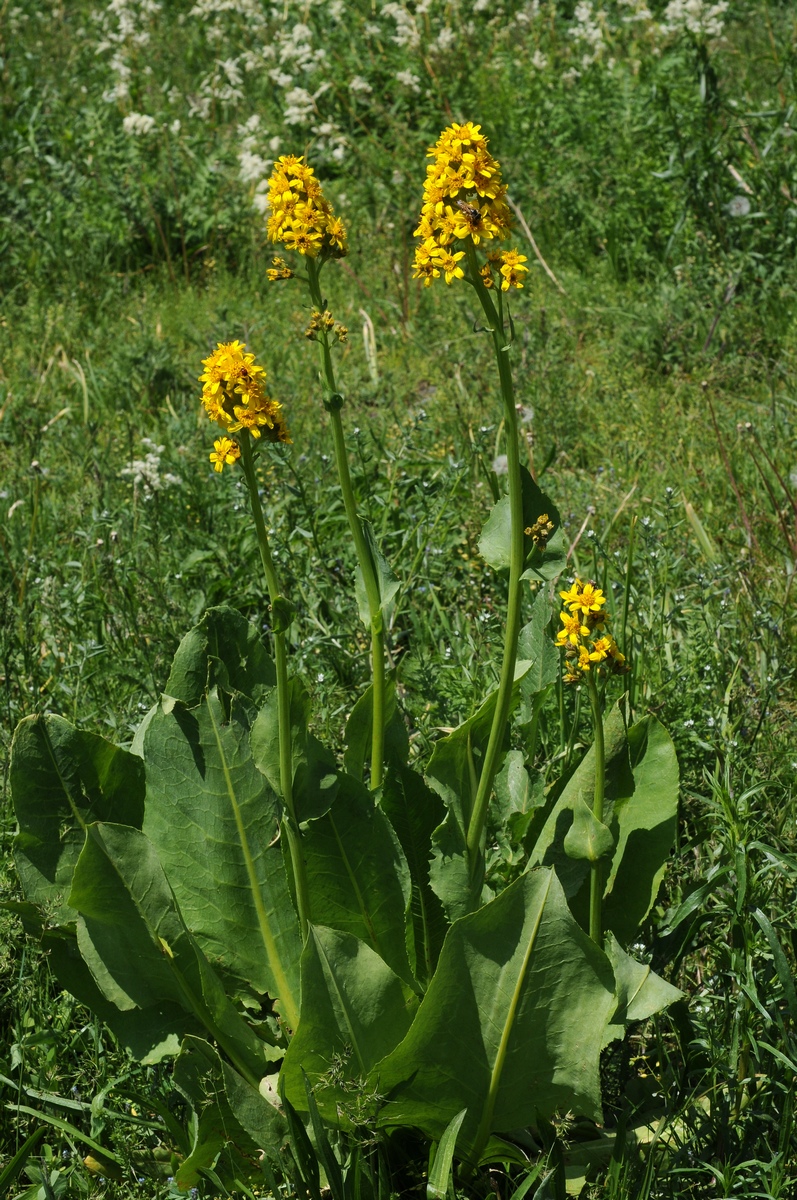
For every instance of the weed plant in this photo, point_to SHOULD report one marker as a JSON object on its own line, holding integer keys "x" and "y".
{"x": 652, "y": 159}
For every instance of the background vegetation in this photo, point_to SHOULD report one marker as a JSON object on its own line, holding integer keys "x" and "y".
{"x": 651, "y": 152}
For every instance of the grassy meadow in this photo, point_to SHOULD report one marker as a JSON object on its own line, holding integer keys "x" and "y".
{"x": 650, "y": 151}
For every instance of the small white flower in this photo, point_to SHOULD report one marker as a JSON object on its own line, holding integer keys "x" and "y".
{"x": 138, "y": 124}
{"x": 739, "y": 206}
{"x": 408, "y": 80}
{"x": 501, "y": 464}
{"x": 358, "y": 84}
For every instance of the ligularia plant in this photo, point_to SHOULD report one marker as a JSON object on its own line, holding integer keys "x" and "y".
{"x": 327, "y": 963}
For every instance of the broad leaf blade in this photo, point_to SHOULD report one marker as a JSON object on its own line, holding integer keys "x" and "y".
{"x": 62, "y": 779}
{"x": 495, "y": 540}
{"x": 136, "y": 945}
{"x": 357, "y": 876}
{"x": 537, "y": 645}
{"x": 225, "y": 637}
{"x": 511, "y": 1025}
{"x": 415, "y": 811}
{"x": 213, "y": 818}
{"x": 645, "y": 828}
{"x": 386, "y": 582}
{"x": 150, "y": 1034}
{"x": 549, "y": 849}
{"x": 453, "y": 772}
{"x": 359, "y": 728}
{"x": 354, "y": 1012}
{"x": 315, "y": 774}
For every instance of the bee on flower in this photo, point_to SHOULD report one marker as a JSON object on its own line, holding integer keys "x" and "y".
{"x": 582, "y": 617}
{"x": 464, "y": 203}
{"x": 234, "y": 396}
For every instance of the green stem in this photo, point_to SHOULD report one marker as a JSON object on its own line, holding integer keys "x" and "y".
{"x": 283, "y": 692}
{"x": 516, "y": 562}
{"x": 364, "y": 560}
{"x": 596, "y": 880}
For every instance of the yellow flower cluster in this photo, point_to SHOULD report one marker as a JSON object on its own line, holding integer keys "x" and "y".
{"x": 234, "y": 396}
{"x": 586, "y": 618}
{"x": 301, "y": 217}
{"x": 464, "y": 197}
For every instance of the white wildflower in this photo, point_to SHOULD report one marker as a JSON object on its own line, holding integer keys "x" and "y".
{"x": 138, "y": 124}
{"x": 739, "y": 206}
{"x": 539, "y": 60}
{"x": 408, "y": 80}
{"x": 146, "y": 473}
{"x": 695, "y": 16}
{"x": 252, "y": 167}
{"x": 358, "y": 84}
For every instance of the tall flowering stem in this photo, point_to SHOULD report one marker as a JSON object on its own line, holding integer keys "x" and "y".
{"x": 465, "y": 210}
{"x": 234, "y": 396}
{"x": 302, "y": 219}
{"x": 333, "y": 402}
{"x": 516, "y": 563}
{"x": 590, "y": 650}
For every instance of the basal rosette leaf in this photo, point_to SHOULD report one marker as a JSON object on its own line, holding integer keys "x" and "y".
{"x": 214, "y": 820}
{"x": 355, "y": 1010}
{"x": 62, "y": 779}
{"x": 357, "y": 876}
{"x": 511, "y": 1026}
{"x": 133, "y": 939}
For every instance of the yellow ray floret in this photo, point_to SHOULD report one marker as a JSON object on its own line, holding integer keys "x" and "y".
{"x": 234, "y": 396}
{"x": 225, "y": 452}
{"x": 301, "y": 217}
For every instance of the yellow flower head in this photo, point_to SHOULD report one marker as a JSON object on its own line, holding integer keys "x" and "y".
{"x": 225, "y": 451}
{"x": 463, "y": 199}
{"x": 583, "y": 597}
{"x": 234, "y": 396}
{"x": 573, "y": 630}
{"x": 301, "y": 216}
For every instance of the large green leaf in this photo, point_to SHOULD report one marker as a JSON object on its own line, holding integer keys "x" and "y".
{"x": 315, "y": 773}
{"x": 239, "y": 660}
{"x": 415, "y": 811}
{"x": 645, "y": 830}
{"x": 495, "y": 540}
{"x": 536, "y": 644}
{"x": 519, "y": 794}
{"x": 358, "y": 879}
{"x": 355, "y": 1010}
{"x": 214, "y": 820}
{"x": 62, "y": 779}
{"x": 150, "y": 1034}
{"x": 511, "y": 1026}
{"x": 549, "y": 849}
{"x": 133, "y": 939}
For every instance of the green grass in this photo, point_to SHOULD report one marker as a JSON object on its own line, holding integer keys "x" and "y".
{"x": 642, "y": 379}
